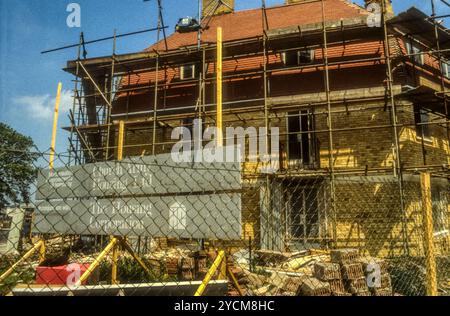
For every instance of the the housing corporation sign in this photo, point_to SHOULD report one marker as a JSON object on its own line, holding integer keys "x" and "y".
{"x": 150, "y": 196}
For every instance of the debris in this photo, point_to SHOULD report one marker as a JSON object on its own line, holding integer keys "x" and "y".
{"x": 356, "y": 286}
{"x": 314, "y": 287}
{"x": 327, "y": 271}
{"x": 369, "y": 263}
{"x": 352, "y": 271}
{"x": 337, "y": 287}
{"x": 298, "y": 263}
{"x": 344, "y": 256}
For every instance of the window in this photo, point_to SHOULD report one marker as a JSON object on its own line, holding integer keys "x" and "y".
{"x": 422, "y": 118}
{"x": 187, "y": 72}
{"x": 303, "y": 217}
{"x": 302, "y": 142}
{"x": 5, "y": 226}
{"x": 414, "y": 49}
{"x": 445, "y": 68}
{"x": 440, "y": 210}
{"x": 298, "y": 57}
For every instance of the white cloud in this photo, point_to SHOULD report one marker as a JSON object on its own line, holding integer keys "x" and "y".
{"x": 42, "y": 107}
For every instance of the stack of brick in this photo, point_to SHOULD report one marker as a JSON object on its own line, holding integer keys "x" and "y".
{"x": 377, "y": 275}
{"x": 187, "y": 269}
{"x": 352, "y": 271}
{"x": 172, "y": 266}
{"x": 201, "y": 264}
{"x": 331, "y": 273}
{"x": 314, "y": 287}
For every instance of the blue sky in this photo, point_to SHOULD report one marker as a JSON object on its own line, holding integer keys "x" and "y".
{"x": 28, "y": 80}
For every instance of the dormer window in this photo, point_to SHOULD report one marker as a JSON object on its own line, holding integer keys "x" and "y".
{"x": 298, "y": 57}
{"x": 416, "y": 52}
{"x": 187, "y": 72}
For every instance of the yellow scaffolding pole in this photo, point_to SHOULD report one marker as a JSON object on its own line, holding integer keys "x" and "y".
{"x": 219, "y": 119}
{"x": 55, "y": 127}
{"x": 210, "y": 274}
{"x": 38, "y": 246}
{"x": 427, "y": 213}
{"x": 115, "y": 258}
{"x": 120, "y": 141}
{"x": 235, "y": 281}
{"x": 114, "y": 247}
{"x": 97, "y": 261}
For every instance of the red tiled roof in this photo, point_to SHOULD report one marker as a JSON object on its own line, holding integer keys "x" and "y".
{"x": 249, "y": 23}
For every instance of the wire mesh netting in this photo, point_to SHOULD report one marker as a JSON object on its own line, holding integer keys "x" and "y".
{"x": 149, "y": 226}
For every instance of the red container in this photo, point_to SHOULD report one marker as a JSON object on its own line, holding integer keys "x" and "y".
{"x": 63, "y": 275}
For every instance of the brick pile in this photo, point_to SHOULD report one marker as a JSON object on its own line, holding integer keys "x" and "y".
{"x": 348, "y": 275}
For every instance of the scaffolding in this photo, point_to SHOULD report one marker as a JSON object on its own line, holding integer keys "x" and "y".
{"x": 100, "y": 80}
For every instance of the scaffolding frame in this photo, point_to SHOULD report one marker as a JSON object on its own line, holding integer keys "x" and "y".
{"x": 322, "y": 36}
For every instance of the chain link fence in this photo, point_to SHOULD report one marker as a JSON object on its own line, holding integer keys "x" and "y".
{"x": 150, "y": 226}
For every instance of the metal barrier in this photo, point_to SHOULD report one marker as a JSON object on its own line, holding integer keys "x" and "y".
{"x": 146, "y": 224}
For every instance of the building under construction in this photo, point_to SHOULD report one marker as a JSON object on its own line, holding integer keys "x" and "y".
{"x": 359, "y": 97}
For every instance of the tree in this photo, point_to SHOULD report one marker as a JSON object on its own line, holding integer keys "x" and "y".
{"x": 17, "y": 170}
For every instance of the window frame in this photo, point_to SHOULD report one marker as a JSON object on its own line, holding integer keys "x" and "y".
{"x": 422, "y": 131}
{"x": 298, "y": 54}
{"x": 413, "y": 48}
{"x": 182, "y": 71}
{"x": 440, "y": 216}
{"x": 445, "y": 66}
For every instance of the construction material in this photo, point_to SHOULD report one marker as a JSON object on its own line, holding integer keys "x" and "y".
{"x": 314, "y": 287}
{"x": 352, "y": 271}
{"x": 337, "y": 287}
{"x": 357, "y": 286}
{"x": 327, "y": 271}
{"x": 344, "y": 256}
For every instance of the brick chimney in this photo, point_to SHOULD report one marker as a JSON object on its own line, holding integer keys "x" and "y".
{"x": 224, "y": 6}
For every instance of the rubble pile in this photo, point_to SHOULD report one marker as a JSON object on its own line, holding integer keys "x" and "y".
{"x": 316, "y": 273}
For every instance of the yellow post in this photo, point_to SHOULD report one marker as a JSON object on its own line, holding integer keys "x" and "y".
{"x": 97, "y": 261}
{"x": 223, "y": 269}
{"x": 55, "y": 127}
{"x": 235, "y": 281}
{"x": 42, "y": 252}
{"x": 120, "y": 141}
{"x": 427, "y": 213}
{"x": 25, "y": 257}
{"x": 135, "y": 256}
{"x": 115, "y": 257}
{"x": 210, "y": 273}
{"x": 219, "y": 120}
